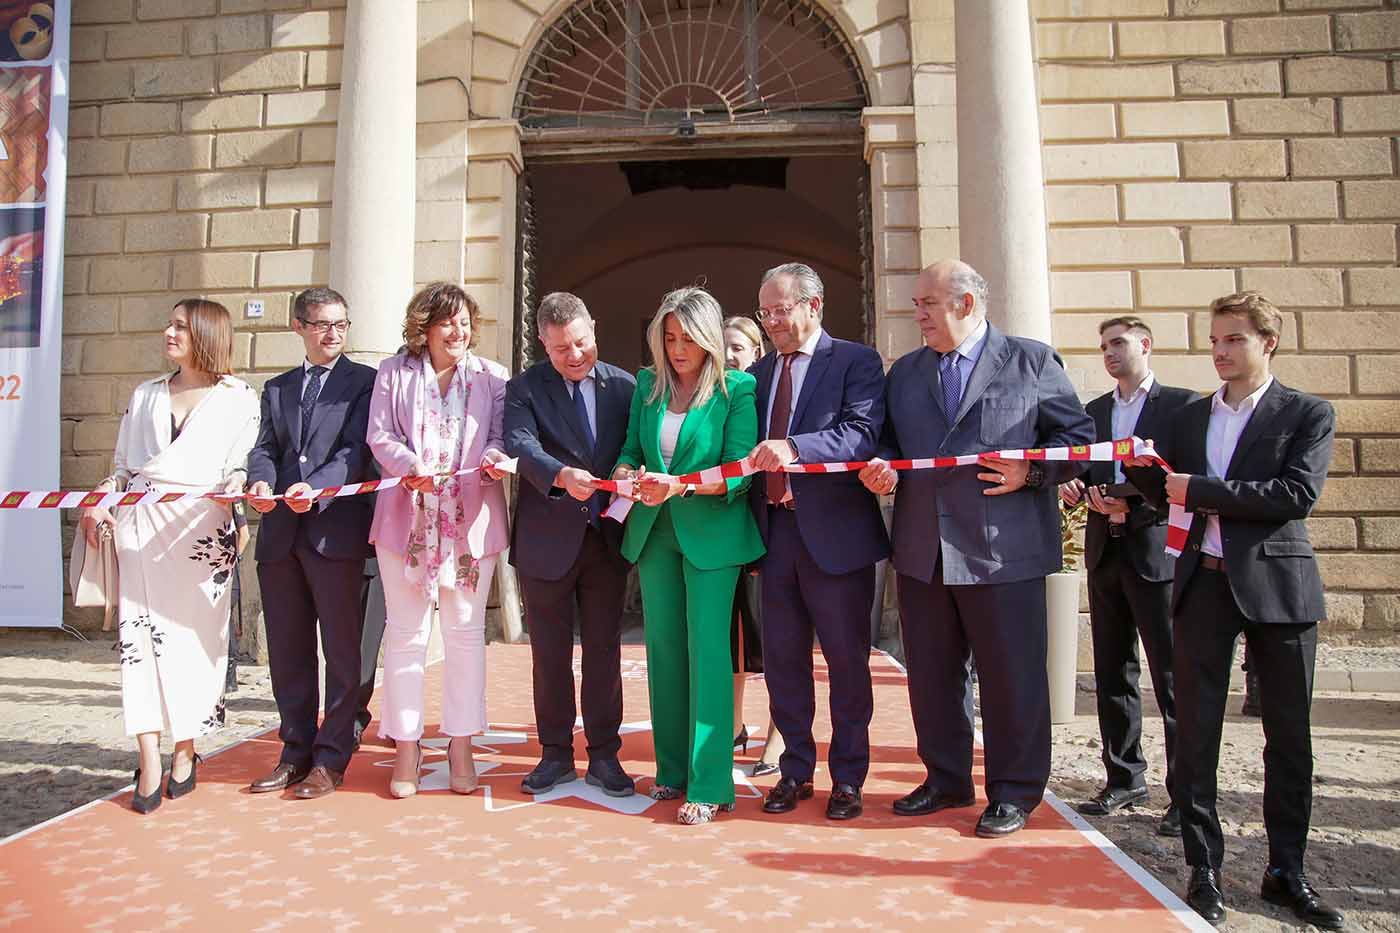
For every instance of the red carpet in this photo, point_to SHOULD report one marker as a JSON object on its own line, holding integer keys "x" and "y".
{"x": 222, "y": 859}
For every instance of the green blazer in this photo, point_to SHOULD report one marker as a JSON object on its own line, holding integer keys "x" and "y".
{"x": 713, "y": 531}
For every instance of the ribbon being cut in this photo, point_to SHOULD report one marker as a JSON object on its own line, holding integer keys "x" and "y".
{"x": 1178, "y": 519}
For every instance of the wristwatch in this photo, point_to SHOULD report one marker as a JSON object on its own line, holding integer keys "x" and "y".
{"x": 1035, "y": 475}
{"x": 688, "y": 491}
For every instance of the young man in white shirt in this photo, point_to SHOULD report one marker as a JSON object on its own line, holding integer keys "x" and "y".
{"x": 1250, "y": 462}
{"x": 1130, "y": 573}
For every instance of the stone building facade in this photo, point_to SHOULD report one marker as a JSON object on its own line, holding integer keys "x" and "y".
{"x": 244, "y": 149}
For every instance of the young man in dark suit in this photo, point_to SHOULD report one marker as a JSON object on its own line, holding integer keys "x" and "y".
{"x": 311, "y": 554}
{"x": 1130, "y": 572}
{"x": 566, "y": 420}
{"x": 974, "y": 544}
{"x": 1250, "y": 462}
{"x": 819, "y": 400}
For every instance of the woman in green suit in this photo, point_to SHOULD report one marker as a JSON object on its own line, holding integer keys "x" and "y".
{"x": 689, "y": 544}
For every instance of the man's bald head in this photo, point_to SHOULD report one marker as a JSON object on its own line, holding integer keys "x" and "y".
{"x": 950, "y": 301}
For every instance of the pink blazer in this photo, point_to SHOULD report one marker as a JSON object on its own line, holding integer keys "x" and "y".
{"x": 393, "y": 435}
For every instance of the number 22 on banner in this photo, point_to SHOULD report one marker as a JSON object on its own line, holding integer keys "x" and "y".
{"x": 9, "y": 388}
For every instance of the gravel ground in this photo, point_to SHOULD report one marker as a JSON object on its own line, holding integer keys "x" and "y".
{"x": 62, "y": 745}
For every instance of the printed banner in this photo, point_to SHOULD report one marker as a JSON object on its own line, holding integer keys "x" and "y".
{"x": 33, "y": 146}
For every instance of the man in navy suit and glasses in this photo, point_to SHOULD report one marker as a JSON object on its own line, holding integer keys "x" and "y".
{"x": 311, "y": 554}
{"x": 819, "y": 400}
{"x": 566, "y": 419}
{"x": 973, "y": 544}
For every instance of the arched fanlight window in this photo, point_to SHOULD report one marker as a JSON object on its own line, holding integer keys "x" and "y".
{"x": 618, "y": 63}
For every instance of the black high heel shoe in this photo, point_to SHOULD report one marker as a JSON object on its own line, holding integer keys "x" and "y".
{"x": 174, "y": 788}
{"x": 742, "y": 739}
{"x": 146, "y": 804}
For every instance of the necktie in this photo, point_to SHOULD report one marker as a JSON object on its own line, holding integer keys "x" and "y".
{"x": 778, "y": 427}
{"x": 581, "y": 409}
{"x": 595, "y": 505}
{"x": 952, "y": 385}
{"x": 308, "y": 399}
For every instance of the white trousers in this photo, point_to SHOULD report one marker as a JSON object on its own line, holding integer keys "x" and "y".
{"x": 409, "y": 619}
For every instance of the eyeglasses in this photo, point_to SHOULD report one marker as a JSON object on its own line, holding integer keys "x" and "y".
{"x": 325, "y": 327}
{"x": 781, "y": 311}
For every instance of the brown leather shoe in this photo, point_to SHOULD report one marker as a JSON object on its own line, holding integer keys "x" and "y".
{"x": 320, "y": 782}
{"x": 284, "y": 775}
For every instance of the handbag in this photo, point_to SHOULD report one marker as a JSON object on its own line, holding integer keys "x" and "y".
{"x": 92, "y": 573}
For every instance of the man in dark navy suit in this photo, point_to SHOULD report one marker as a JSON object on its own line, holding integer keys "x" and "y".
{"x": 1251, "y": 460}
{"x": 974, "y": 544}
{"x": 311, "y": 555}
{"x": 566, "y": 420}
{"x": 1130, "y": 572}
{"x": 819, "y": 400}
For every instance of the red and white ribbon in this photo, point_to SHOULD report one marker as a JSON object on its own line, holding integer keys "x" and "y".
{"x": 1178, "y": 519}
{"x": 21, "y": 499}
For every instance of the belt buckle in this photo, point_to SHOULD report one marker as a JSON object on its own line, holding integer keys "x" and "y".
{"x": 1117, "y": 529}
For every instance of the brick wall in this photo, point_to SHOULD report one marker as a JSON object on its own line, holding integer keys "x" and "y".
{"x": 1193, "y": 147}
{"x": 1197, "y": 147}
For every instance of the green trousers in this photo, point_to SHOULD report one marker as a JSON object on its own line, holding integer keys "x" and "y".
{"x": 689, "y": 668}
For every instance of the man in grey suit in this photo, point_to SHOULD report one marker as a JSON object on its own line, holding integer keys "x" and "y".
{"x": 973, "y": 545}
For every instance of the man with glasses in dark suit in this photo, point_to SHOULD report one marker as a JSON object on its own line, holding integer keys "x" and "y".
{"x": 311, "y": 553}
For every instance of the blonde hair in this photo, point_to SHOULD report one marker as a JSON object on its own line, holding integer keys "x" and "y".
{"x": 211, "y": 335}
{"x": 747, "y": 327}
{"x": 701, "y": 318}
{"x": 1255, "y": 308}
{"x": 437, "y": 302}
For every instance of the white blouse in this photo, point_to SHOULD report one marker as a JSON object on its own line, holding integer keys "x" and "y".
{"x": 215, "y": 440}
{"x": 670, "y": 433}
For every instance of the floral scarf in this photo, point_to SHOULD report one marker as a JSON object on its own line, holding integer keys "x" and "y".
{"x": 436, "y": 555}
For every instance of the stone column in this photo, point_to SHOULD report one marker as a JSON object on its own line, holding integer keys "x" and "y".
{"x": 1001, "y": 183}
{"x": 372, "y": 230}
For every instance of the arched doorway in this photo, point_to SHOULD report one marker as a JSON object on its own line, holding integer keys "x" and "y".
{"x": 668, "y": 142}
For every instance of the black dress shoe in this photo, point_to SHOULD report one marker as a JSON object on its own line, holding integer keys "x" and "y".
{"x": 174, "y": 788}
{"x": 1171, "y": 823}
{"x": 1000, "y": 819}
{"x": 785, "y": 795}
{"x": 548, "y": 774}
{"x": 1112, "y": 799}
{"x": 283, "y": 776}
{"x": 1294, "y": 892}
{"x": 146, "y": 804}
{"x": 1203, "y": 894}
{"x": 607, "y": 775}
{"x": 844, "y": 803}
{"x": 762, "y": 768}
{"x": 924, "y": 799}
{"x": 741, "y": 740}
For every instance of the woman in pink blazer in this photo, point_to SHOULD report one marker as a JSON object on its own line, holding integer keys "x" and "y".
{"x": 437, "y": 409}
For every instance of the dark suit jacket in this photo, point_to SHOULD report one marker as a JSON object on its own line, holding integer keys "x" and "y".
{"x": 1147, "y": 524}
{"x": 1272, "y": 483}
{"x": 1018, "y": 396}
{"x": 336, "y": 454}
{"x": 836, "y": 418}
{"x": 542, "y": 429}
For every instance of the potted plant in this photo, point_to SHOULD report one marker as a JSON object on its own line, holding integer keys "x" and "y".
{"x": 1062, "y": 613}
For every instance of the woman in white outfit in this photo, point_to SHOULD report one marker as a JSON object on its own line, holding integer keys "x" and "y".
{"x": 437, "y": 409}
{"x": 188, "y": 431}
